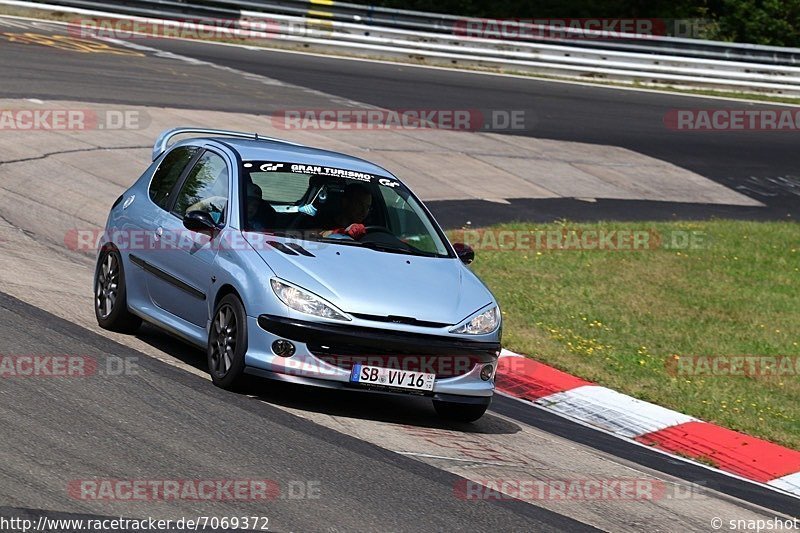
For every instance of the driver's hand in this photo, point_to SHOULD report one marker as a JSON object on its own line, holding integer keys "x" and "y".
{"x": 356, "y": 231}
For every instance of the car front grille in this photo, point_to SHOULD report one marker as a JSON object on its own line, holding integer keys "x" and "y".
{"x": 344, "y": 345}
{"x": 444, "y": 366}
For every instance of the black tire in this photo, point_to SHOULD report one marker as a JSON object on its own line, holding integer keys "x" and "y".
{"x": 460, "y": 412}
{"x": 111, "y": 296}
{"x": 227, "y": 343}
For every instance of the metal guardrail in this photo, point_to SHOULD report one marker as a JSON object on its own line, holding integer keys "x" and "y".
{"x": 435, "y": 39}
{"x": 442, "y": 23}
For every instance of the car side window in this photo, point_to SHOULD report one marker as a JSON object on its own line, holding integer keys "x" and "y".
{"x": 205, "y": 188}
{"x": 402, "y": 219}
{"x": 404, "y": 222}
{"x": 168, "y": 172}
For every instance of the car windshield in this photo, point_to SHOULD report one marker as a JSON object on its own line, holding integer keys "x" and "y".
{"x": 338, "y": 205}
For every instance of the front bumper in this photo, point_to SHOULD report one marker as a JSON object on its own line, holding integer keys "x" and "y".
{"x": 325, "y": 353}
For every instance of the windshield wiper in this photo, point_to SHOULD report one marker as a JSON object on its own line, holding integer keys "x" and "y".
{"x": 345, "y": 242}
{"x": 393, "y": 249}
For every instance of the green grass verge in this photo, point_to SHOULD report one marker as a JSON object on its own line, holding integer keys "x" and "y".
{"x": 618, "y": 317}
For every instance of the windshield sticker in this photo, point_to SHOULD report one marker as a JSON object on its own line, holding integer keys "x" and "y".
{"x": 320, "y": 170}
{"x": 388, "y": 183}
{"x": 328, "y": 171}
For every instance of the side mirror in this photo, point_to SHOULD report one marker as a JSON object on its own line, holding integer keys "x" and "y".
{"x": 464, "y": 252}
{"x": 199, "y": 221}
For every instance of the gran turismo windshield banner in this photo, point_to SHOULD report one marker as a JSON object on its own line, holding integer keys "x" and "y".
{"x": 320, "y": 170}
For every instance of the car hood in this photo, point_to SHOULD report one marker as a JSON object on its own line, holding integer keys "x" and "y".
{"x": 364, "y": 281}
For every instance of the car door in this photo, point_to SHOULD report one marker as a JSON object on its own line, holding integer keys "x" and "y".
{"x": 145, "y": 215}
{"x": 183, "y": 260}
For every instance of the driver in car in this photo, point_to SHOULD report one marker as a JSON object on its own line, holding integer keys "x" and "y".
{"x": 356, "y": 203}
{"x": 260, "y": 215}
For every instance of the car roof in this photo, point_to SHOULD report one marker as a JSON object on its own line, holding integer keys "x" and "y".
{"x": 278, "y": 152}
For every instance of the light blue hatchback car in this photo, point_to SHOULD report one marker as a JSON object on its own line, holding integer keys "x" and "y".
{"x": 298, "y": 264}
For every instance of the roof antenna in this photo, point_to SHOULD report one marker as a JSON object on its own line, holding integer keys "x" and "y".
{"x": 256, "y": 134}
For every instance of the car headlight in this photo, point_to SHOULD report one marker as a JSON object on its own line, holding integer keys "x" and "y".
{"x": 483, "y": 323}
{"x": 305, "y": 302}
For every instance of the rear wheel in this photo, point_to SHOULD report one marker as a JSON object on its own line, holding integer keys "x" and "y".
{"x": 227, "y": 343}
{"x": 460, "y": 412}
{"x": 110, "y": 295}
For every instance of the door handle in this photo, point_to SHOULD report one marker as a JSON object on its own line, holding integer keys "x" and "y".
{"x": 159, "y": 233}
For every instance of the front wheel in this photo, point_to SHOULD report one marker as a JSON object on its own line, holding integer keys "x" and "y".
{"x": 227, "y": 343}
{"x": 460, "y": 412}
{"x": 110, "y": 295}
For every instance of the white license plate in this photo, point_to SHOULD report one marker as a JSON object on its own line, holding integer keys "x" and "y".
{"x": 388, "y": 377}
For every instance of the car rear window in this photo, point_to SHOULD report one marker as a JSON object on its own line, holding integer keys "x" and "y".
{"x": 281, "y": 187}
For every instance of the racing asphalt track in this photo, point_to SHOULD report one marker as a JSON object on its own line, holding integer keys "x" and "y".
{"x": 65, "y": 429}
{"x": 762, "y": 165}
{"x": 579, "y": 113}
{"x": 106, "y": 426}
{"x": 57, "y": 430}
